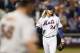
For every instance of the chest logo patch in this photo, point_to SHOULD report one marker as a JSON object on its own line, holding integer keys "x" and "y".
{"x": 46, "y": 22}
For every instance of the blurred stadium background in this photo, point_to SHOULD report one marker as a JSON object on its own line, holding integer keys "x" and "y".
{"x": 67, "y": 10}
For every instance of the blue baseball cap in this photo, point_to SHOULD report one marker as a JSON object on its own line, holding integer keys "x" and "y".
{"x": 50, "y": 7}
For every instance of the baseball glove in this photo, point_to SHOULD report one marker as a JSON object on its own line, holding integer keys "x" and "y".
{"x": 60, "y": 46}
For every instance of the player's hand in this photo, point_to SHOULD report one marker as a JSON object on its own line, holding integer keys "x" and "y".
{"x": 44, "y": 13}
{"x": 62, "y": 41}
{"x": 61, "y": 45}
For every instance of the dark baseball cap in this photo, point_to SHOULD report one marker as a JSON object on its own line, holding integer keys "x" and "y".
{"x": 50, "y": 7}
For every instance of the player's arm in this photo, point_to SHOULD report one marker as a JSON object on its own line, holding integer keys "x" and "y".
{"x": 30, "y": 37}
{"x": 60, "y": 31}
{"x": 44, "y": 13}
{"x": 31, "y": 44}
{"x": 60, "y": 37}
{"x": 39, "y": 25}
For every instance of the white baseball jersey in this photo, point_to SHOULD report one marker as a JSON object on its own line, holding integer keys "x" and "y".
{"x": 49, "y": 25}
{"x": 20, "y": 29}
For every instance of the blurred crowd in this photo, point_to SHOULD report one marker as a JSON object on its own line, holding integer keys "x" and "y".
{"x": 67, "y": 10}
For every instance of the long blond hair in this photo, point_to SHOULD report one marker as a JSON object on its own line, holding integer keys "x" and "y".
{"x": 44, "y": 13}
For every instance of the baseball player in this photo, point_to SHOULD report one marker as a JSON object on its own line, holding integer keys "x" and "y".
{"x": 51, "y": 25}
{"x": 17, "y": 31}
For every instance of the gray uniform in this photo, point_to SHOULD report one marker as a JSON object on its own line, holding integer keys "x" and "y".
{"x": 20, "y": 28}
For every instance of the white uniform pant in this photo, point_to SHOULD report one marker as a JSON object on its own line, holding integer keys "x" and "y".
{"x": 50, "y": 44}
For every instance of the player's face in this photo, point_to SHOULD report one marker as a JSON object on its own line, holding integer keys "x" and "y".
{"x": 49, "y": 12}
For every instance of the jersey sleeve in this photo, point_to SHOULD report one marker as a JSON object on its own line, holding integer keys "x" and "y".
{"x": 60, "y": 29}
{"x": 39, "y": 23}
{"x": 28, "y": 32}
{"x": 59, "y": 24}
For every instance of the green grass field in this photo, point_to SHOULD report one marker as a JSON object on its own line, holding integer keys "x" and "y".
{"x": 66, "y": 50}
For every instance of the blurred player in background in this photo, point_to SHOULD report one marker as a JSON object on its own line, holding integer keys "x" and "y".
{"x": 50, "y": 24}
{"x": 17, "y": 31}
